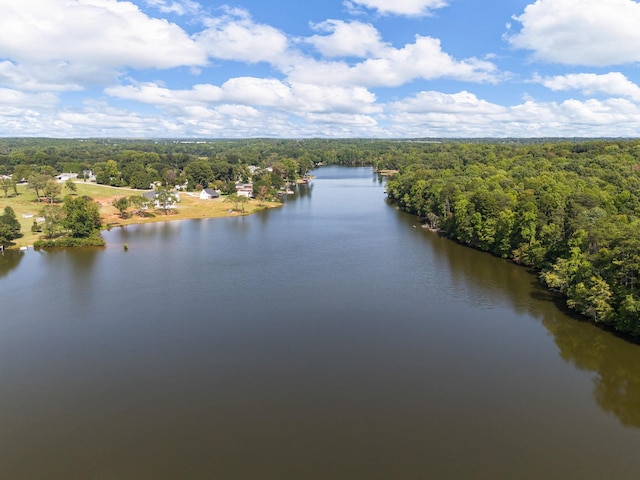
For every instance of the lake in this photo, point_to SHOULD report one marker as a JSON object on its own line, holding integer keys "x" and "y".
{"x": 331, "y": 338}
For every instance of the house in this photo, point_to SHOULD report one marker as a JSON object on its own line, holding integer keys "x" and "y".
{"x": 244, "y": 189}
{"x": 63, "y": 177}
{"x": 208, "y": 193}
{"x": 172, "y": 200}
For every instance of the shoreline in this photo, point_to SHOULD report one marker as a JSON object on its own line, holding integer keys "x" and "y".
{"x": 191, "y": 207}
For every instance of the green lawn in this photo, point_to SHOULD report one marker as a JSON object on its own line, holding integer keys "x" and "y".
{"x": 25, "y": 203}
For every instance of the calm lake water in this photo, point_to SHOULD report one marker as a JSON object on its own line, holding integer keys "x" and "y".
{"x": 331, "y": 338}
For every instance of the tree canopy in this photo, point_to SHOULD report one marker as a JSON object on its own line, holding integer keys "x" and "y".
{"x": 9, "y": 227}
{"x": 570, "y": 210}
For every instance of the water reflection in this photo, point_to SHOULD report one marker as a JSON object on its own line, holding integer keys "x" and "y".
{"x": 304, "y": 191}
{"x": 75, "y": 274}
{"x": 334, "y": 340}
{"x": 613, "y": 360}
{"x": 9, "y": 261}
{"x": 485, "y": 280}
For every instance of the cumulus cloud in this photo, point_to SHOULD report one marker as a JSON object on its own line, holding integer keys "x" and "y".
{"x": 51, "y": 77}
{"x": 464, "y": 115}
{"x": 580, "y": 32}
{"x": 106, "y": 32}
{"x": 399, "y": 7}
{"x": 437, "y": 102}
{"x": 425, "y": 114}
{"x": 614, "y": 83}
{"x": 296, "y": 98}
{"x": 346, "y": 39}
{"x": 235, "y": 36}
{"x": 154, "y": 94}
{"x": 17, "y": 100}
{"x": 423, "y": 59}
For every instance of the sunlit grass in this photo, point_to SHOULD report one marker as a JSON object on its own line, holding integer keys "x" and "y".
{"x": 190, "y": 206}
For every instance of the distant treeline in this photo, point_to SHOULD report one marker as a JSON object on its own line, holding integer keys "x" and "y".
{"x": 568, "y": 208}
{"x": 136, "y": 163}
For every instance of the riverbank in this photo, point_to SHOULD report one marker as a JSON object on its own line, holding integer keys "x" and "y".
{"x": 191, "y": 206}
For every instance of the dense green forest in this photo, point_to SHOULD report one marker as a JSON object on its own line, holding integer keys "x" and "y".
{"x": 568, "y": 208}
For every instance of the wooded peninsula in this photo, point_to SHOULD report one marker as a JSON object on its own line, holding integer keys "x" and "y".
{"x": 568, "y": 208}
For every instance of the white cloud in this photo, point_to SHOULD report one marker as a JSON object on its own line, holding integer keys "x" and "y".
{"x": 334, "y": 99}
{"x": 296, "y": 98}
{"x": 264, "y": 92}
{"x": 154, "y": 94}
{"x": 437, "y": 102}
{"x": 399, "y": 7}
{"x": 53, "y": 77}
{"x": 614, "y": 83}
{"x": 235, "y": 36}
{"x": 108, "y": 33}
{"x": 581, "y": 32}
{"x": 346, "y": 39}
{"x": 17, "y": 100}
{"x": 464, "y": 115}
{"x": 423, "y": 59}
{"x": 424, "y": 114}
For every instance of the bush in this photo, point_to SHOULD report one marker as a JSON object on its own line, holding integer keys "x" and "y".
{"x": 69, "y": 242}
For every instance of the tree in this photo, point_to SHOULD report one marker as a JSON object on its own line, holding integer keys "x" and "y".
{"x": 5, "y": 184}
{"x": 140, "y": 179}
{"x": 53, "y": 216}
{"x": 139, "y": 203}
{"x": 14, "y": 184}
{"x": 262, "y": 194}
{"x": 9, "y": 227}
{"x": 22, "y": 172}
{"x": 51, "y": 190}
{"x": 109, "y": 174}
{"x": 82, "y": 216}
{"x": 199, "y": 173}
{"x": 629, "y": 315}
{"x": 121, "y": 204}
{"x": 71, "y": 185}
{"x": 37, "y": 182}
{"x": 243, "y": 200}
{"x": 169, "y": 177}
{"x": 233, "y": 198}
{"x": 165, "y": 199}
{"x": 592, "y": 298}
{"x": 222, "y": 170}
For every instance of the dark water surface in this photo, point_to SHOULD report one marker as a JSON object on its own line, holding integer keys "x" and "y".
{"x": 327, "y": 339}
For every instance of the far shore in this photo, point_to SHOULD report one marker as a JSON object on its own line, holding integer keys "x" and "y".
{"x": 191, "y": 206}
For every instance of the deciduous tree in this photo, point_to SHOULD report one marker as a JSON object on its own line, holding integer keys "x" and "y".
{"x": 82, "y": 216}
{"x": 9, "y": 227}
{"x": 121, "y": 204}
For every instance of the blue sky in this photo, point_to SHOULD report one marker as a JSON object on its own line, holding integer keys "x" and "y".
{"x": 319, "y": 68}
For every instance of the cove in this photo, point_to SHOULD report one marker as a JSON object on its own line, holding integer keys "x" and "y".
{"x": 330, "y": 338}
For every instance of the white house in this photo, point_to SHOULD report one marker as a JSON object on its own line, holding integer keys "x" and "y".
{"x": 63, "y": 177}
{"x": 208, "y": 193}
{"x": 244, "y": 189}
{"x": 173, "y": 199}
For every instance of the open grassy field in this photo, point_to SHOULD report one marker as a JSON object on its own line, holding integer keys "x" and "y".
{"x": 27, "y": 207}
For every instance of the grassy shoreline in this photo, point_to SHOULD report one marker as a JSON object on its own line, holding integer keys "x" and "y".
{"x": 191, "y": 206}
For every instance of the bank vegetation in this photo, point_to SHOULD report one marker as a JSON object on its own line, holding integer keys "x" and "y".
{"x": 568, "y": 208}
